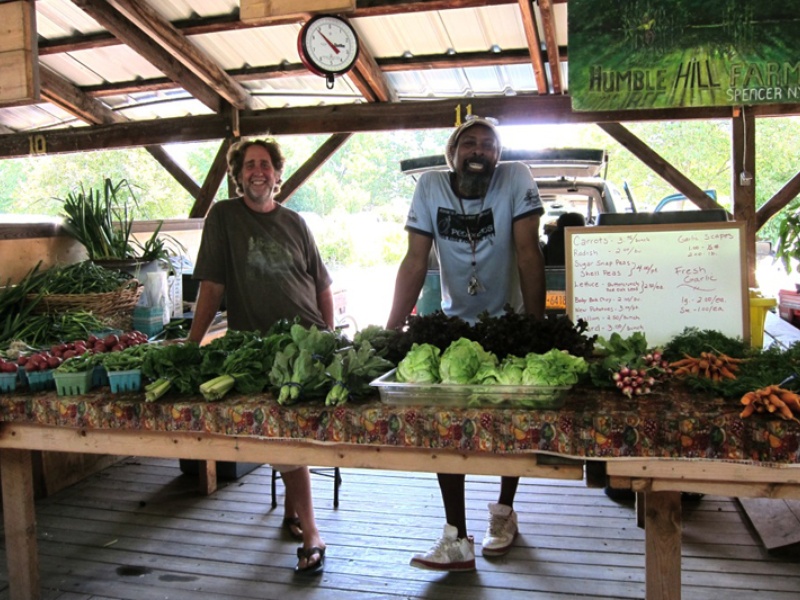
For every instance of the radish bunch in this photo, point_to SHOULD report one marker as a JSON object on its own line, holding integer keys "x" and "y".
{"x": 7, "y": 366}
{"x": 58, "y": 353}
{"x": 652, "y": 369}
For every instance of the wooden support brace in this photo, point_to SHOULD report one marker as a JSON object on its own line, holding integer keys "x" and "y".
{"x": 20, "y": 524}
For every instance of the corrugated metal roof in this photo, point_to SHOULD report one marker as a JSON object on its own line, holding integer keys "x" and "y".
{"x": 495, "y": 28}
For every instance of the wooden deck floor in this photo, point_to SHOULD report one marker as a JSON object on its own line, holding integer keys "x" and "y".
{"x": 140, "y": 531}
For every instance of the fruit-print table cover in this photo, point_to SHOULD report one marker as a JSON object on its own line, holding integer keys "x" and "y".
{"x": 593, "y": 423}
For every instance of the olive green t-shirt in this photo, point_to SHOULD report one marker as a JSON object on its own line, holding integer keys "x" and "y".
{"x": 269, "y": 264}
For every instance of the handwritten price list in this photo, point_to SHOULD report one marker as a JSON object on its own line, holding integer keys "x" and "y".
{"x": 658, "y": 279}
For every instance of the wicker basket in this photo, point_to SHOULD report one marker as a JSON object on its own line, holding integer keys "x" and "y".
{"x": 115, "y": 308}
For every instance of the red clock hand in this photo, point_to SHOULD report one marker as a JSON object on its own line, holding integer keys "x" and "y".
{"x": 330, "y": 43}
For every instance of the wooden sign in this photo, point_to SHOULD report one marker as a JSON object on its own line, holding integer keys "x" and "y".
{"x": 19, "y": 62}
{"x": 252, "y": 10}
{"x": 658, "y": 279}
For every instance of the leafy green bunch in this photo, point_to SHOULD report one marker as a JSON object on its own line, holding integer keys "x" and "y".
{"x": 102, "y": 222}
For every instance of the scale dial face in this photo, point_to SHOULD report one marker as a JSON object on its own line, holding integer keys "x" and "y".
{"x": 328, "y": 45}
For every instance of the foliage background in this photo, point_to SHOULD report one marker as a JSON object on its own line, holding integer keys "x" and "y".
{"x": 360, "y": 197}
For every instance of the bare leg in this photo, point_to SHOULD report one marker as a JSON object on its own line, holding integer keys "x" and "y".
{"x": 508, "y": 489}
{"x": 455, "y": 510}
{"x": 298, "y": 489}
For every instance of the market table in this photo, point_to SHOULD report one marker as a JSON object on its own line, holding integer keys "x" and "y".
{"x": 658, "y": 445}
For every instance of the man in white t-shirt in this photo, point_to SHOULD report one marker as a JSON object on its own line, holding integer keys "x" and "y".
{"x": 483, "y": 221}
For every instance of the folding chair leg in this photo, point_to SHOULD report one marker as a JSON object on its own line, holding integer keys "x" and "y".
{"x": 337, "y": 481}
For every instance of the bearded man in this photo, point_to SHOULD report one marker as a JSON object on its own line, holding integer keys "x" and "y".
{"x": 482, "y": 219}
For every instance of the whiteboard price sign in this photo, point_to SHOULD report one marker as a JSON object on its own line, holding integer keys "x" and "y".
{"x": 658, "y": 279}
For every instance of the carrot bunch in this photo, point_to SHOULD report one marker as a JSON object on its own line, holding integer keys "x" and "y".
{"x": 710, "y": 365}
{"x": 772, "y": 399}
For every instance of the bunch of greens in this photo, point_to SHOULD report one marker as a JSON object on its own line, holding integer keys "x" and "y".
{"x": 420, "y": 365}
{"x": 172, "y": 365}
{"x": 79, "y": 364}
{"x": 299, "y": 369}
{"x": 217, "y": 350}
{"x": 46, "y": 329}
{"x": 462, "y": 360}
{"x": 129, "y": 359}
{"x": 245, "y": 368}
{"x": 102, "y": 221}
{"x": 84, "y": 277}
{"x": 351, "y": 371}
{"x": 521, "y": 334}
{"x": 379, "y": 338}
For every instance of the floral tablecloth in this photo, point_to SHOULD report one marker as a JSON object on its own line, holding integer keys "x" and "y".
{"x": 592, "y": 423}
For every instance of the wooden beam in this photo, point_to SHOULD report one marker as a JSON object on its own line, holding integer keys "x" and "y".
{"x": 182, "y": 177}
{"x": 743, "y": 184}
{"x": 534, "y": 45}
{"x": 123, "y": 29}
{"x": 64, "y": 94}
{"x": 367, "y": 76}
{"x": 662, "y": 545}
{"x": 173, "y": 41}
{"x": 216, "y": 173}
{"x": 778, "y": 202}
{"x": 68, "y": 97}
{"x": 516, "y": 110}
{"x": 19, "y": 518}
{"x": 658, "y": 164}
{"x": 549, "y": 27}
{"x": 308, "y": 168}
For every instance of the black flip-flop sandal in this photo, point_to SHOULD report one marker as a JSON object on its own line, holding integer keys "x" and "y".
{"x": 310, "y": 568}
{"x": 292, "y": 525}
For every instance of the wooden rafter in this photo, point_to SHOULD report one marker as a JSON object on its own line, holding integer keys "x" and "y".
{"x": 534, "y": 45}
{"x": 367, "y": 76}
{"x": 779, "y": 201}
{"x": 315, "y": 161}
{"x": 216, "y": 173}
{"x": 549, "y": 28}
{"x": 173, "y": 41}
{"x": 65, "y": 95}
{"x": 659, "y": 165}
{"x": 137, "y": 40}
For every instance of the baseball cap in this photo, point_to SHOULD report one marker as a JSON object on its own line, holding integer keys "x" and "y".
{"x": 470, "y": 121}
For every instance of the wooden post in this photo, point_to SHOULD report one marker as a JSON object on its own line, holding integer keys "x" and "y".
{"x": 19, "y": 518}
{"x": 662, "y": 545}
{"x": 743, "y": 184}
{"x": 208, "y": 477}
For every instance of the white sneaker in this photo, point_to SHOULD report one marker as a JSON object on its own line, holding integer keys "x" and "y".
{"x": 450, "y": 553}
{"x": 501, "y": 531}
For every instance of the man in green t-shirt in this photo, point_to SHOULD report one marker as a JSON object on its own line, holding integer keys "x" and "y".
{"x": 263, "y": 259}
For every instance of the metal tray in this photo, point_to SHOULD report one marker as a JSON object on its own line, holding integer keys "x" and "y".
{"x": 468, "y": 396}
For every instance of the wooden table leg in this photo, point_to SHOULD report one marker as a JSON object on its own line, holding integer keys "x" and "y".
{"x": 208, "y": 477}
{"x": 662, "y": 546}
{"x": 19, "y": 517}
